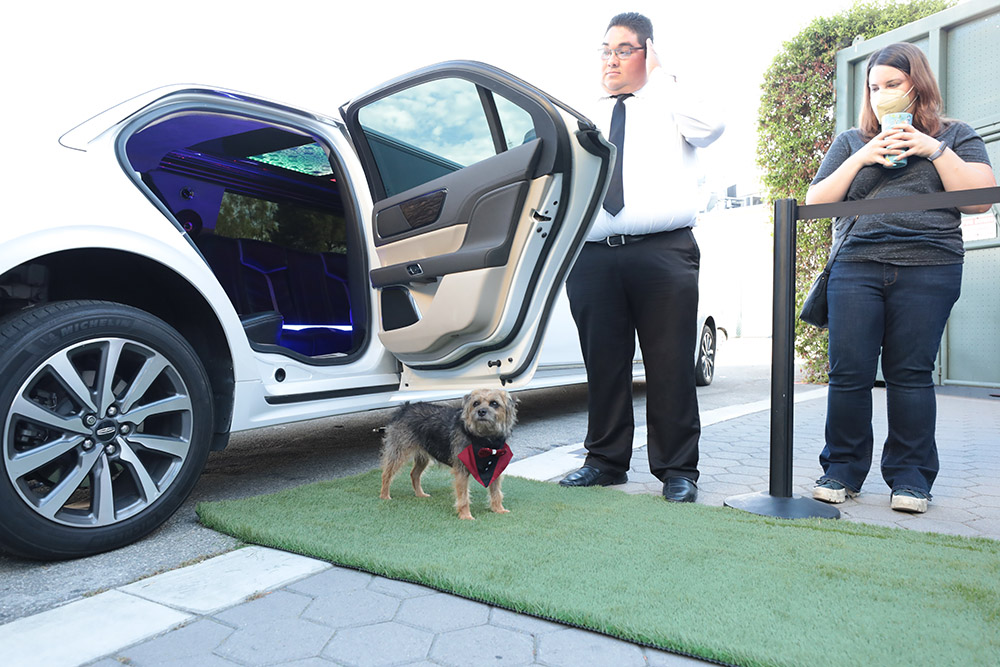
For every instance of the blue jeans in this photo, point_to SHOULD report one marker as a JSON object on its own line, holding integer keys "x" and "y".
{"x": 901, "y": 312}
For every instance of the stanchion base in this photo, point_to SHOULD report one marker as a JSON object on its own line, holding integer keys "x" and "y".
{"x": 796, "y": 507}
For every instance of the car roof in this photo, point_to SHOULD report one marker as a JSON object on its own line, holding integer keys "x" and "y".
{"x": 80, "y": 136}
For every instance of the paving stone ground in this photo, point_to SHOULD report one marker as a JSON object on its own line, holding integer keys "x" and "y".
{"x": 316, "y": 614}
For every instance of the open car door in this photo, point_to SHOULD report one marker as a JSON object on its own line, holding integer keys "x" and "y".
{"x": 483, "y": 190}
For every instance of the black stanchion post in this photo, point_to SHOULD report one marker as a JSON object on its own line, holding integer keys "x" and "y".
{"x": 783, "y": 348}
{"x": 780, "y": 502}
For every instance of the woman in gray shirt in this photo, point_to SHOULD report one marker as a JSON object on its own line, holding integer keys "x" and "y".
{"x": 896, "y": 277}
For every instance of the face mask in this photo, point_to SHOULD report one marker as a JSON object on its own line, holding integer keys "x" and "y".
{"x": 891, "y": 100}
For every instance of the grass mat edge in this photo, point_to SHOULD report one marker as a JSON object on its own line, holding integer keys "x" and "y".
{"x": 329, "y": 520}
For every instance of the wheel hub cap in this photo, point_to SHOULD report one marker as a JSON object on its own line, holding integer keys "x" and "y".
{"x": 106, "y": 431}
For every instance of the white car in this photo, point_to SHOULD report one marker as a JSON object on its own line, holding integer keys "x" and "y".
{"x": 211, "y": 263}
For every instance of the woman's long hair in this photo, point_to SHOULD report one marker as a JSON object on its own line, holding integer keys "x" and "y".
{"x": 926, "y": 108}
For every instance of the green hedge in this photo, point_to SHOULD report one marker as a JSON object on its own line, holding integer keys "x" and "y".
{"x": 796, "y": 126}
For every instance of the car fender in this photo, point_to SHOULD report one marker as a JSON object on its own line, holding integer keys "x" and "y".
{"x": 175, "y": 254}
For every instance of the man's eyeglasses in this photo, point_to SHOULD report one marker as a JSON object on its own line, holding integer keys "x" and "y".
{"x": 623, "y": 52}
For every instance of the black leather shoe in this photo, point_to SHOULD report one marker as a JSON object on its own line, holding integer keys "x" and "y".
{"x": 591, "y": 476}
{"x": 680, "y": 490}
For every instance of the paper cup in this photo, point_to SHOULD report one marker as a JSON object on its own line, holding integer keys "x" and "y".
{"x": 888, "y": 121}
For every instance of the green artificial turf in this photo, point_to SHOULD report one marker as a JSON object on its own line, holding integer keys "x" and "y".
{"x": 709, "y": 581}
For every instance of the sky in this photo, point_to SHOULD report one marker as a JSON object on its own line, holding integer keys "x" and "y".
{"x": 75, "y": 59}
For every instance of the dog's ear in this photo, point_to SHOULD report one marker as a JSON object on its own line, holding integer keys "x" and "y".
{"x": 468, "y": 411}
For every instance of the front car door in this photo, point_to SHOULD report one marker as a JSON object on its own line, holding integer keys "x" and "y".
{"x": 483, "y": 190}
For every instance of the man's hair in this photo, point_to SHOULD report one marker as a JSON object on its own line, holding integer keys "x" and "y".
{"x": 636, "y": 22}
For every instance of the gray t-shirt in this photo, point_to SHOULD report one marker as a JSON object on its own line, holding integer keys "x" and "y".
{"x": 913, "y": 238}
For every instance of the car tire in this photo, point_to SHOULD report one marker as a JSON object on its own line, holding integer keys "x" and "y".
{"x": 107, "y": 424}
{"x": 704, "y": 369}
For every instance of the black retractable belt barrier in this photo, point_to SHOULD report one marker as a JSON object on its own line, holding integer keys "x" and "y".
{"x": 779, "y": 500}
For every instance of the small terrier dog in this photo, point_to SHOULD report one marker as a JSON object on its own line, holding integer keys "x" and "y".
{"x": 472, "y": 439}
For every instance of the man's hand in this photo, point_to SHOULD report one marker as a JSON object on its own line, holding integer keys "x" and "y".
{"x": 652, "y": 60}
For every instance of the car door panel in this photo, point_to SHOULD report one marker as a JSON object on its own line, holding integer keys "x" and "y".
{"x": 451, "y": 198}
{"x": 462, "y": 302}
{"x": 486, "y": 242}
{"x": 471, "y": 246}
{"x": 438, "y": 242}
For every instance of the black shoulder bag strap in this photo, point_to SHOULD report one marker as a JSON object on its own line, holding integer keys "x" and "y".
{"x": 847, "y": 232}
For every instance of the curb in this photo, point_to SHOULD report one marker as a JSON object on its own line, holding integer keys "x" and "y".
{"x": 132, "y": 613}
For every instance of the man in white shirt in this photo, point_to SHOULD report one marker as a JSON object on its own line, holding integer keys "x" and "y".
{"x": 638, "y": 273}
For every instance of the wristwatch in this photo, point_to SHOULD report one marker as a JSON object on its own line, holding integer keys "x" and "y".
{"x": 942, "y": 147}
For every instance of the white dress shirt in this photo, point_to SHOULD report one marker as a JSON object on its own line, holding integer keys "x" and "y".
{"x": 664, "y": 124}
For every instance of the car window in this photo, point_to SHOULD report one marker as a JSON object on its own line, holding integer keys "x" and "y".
{"x": 518, "y": 127}
{"x": 435, "y": 128}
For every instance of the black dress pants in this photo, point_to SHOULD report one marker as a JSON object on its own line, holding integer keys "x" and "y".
{"x": 649, "y": 287}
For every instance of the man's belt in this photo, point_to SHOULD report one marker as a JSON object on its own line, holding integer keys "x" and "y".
{"x": 616, "y": 240}
{"x": 622, "y": 239}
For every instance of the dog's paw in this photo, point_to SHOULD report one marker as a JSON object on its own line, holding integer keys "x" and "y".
{"x": 467, "y": 516}
{"x": 421, "y": 494}
{"x": 502, "y": 510}
{"x": 384, "y": 496}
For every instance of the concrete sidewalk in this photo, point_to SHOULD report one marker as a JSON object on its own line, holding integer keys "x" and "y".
{"x": 257, "y": 606}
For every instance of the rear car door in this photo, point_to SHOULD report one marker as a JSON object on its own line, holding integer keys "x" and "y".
{"x": 483, "y": 190}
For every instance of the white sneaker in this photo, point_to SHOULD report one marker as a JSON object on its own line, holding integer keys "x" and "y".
{"x": 830, "y": 491}
{"x": 908, "y": 501}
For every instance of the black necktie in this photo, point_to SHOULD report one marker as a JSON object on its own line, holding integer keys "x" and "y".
{"x": 614, "y": 200}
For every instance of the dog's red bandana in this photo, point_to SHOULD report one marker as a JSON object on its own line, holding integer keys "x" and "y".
{"x": 485, "y": 463}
